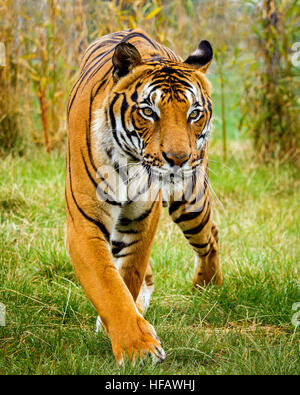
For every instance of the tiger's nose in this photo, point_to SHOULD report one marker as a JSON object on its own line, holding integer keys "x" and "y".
{"x": 176, "y": 159}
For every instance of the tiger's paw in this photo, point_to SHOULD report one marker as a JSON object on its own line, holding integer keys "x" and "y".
{"x": 135, "y": 342}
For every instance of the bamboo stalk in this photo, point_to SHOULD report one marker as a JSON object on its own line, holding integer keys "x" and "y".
{"x": 43, "y": 108}
{"x": 223, "y": 115}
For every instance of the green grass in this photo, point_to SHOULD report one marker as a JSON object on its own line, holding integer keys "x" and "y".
{"x": 244, "y": 327}
{"x": 233, "y": 90}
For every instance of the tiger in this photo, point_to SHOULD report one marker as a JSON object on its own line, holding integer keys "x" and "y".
{"x": 138, "y": 120}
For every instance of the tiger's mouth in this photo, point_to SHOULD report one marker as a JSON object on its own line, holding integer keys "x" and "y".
{"x": 173, "y": 182}
{"x": 172, "y": 176}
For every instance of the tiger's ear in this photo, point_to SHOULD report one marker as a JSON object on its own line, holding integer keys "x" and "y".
{"x": 124, "y": 59}
{"x": 202, "y": 57}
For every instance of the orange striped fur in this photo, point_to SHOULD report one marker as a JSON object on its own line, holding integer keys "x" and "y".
{"x": 136, "y": 102}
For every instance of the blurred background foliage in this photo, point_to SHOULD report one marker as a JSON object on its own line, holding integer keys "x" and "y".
{"x": 256, "y": 85}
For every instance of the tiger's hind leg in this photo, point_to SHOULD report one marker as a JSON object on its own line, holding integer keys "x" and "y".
{"x": 207, "y": 261}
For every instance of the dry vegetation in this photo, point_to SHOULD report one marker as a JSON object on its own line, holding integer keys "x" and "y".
{"x": 45, "y": 41}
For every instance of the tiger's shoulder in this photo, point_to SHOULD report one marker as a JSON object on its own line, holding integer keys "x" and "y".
{"x": 101, "y": 50}
{"x": 96, "y": 69}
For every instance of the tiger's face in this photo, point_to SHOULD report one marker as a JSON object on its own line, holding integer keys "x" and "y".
{"x": 160, "y": 111}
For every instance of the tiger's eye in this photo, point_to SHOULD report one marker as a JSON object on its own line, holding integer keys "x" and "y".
{"x": 148, "y": 111}
{"x": 194, "y": 114}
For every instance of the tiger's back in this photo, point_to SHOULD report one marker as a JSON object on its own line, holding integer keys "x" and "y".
{"x": 96, "y": 69}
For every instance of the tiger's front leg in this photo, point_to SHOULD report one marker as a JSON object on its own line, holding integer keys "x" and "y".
{"x": 194, "y": 217}
{"x": 130, "y": 334}
{"x": 131, "y": 242}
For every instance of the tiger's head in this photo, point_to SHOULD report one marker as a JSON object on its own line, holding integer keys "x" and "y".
{"x": 160, "y": 110}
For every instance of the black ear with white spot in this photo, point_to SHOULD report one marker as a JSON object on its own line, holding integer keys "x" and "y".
{"x": 202, "y": 57}
{"x": 124, "y": 59}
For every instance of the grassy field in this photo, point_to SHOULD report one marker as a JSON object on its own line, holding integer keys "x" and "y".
{"x": 242, "y": 328}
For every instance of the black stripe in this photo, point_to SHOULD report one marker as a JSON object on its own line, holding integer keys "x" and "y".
{"x": 138, "y": 34}
{"x": 134, "y": 96}
{"x": 126, "y": 221}
{"x": 99, "y": 87}
{"x": 83, "y": 76}
{"x": 200, "y": 195}
{"x": 104, "y": 195}
{"x": 100, "y": 66}
{"x": 102, "y": 44}
{"x": 123, "y": 255}
{"x": 87, "y": 171}
{"x": 106, "y": 53}
{"x": 205, "y": 254}
{"x": 119, "y": 245}
{"x": 124, "y": 107}
{"x": 88, "y": 143}
{"x": 175, "y": 205}
{"x": 128, "y": 231}
{"x": 98, "y": 223}
{"x": 68, "y": 207}
{"x": 114, "y": 131}
{"x": 188, "y": 216}
{"x": 200, "y": 246}
{"x": 197, "y": 229}
{"x": 122, "y": 174}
